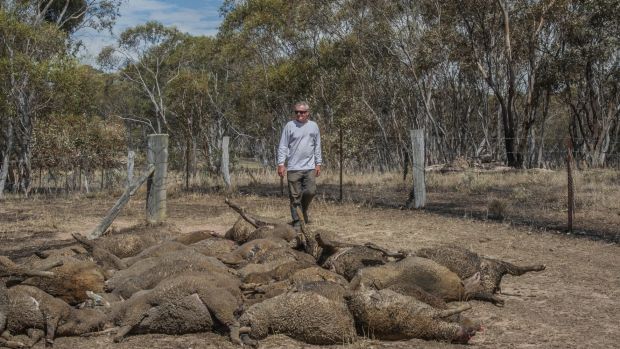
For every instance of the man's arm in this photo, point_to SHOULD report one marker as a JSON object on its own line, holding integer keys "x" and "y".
{"x": 318, "y": 159}
{"x": 282, "y": 151}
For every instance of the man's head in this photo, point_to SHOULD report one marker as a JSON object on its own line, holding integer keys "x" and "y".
{"x": 302, "y": 112}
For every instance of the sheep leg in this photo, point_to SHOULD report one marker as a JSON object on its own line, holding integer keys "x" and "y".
{"x": 325, "y": 242}
{"x": 2, "y": 322}
{"x": 100, "y": 254}
{"x": 51, "y": 323}
{"x": 311, "y": 245}
{"x": 452, "y": 311}
{"x": 5, "y": 343}
{"x": 6, "y": 340}
{"x": 122, "y": 332}
{"x": 245, "y": 338}
{"x": 136, "y": 314}
{"x": 398, "y": 255}
{"x": 222, "y": 305}
{"x": 488, "y": 297}
{"x": 8, "y": 268}
{"x": 34, "y": 335}
{"x": 520, "y": 270}
{"x": 448, "y": 331}
{"x": 100, "y": 333}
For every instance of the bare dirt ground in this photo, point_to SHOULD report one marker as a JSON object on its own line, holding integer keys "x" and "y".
{"x": 575, "y": 303}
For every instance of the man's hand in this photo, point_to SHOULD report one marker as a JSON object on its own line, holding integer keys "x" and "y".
{"x": 317, "y": 169}
{"x": 281, "y": 170}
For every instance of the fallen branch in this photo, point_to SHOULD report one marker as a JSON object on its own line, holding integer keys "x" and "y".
{"x": 257, "y": 222}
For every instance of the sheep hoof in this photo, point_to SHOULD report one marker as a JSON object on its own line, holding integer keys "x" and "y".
{"x": 249, "y": 341}
{"x": 234, "y": 335}
{"x": 498, "y": 302}
{"x": 12, "y": 344}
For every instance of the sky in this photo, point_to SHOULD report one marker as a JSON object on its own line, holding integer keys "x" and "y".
{"x": 196, "y": 17}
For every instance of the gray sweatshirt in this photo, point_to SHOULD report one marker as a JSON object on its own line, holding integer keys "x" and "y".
{"x": 301, "y": 145}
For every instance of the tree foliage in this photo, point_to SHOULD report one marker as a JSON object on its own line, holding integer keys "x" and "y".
{"x": 501, "y": 80}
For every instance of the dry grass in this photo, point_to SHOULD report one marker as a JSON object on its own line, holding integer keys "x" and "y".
{"x": 534, "y": 197}
{"x": 572, "y": 304}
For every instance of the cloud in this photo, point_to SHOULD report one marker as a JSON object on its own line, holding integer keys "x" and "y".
{"x": 189, "y": 16}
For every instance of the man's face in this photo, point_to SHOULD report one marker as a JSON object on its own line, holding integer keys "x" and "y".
{"x": 302, "y": 113}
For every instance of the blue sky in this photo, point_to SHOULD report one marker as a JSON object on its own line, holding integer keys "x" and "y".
{"x": 196, "y": 17}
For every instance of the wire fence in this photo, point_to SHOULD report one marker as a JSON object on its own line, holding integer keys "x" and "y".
{"x": 464, "y": 187}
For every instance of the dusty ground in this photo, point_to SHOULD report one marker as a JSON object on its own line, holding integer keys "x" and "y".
{"x": 575, "y": 303}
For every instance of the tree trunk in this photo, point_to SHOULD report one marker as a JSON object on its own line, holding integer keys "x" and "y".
{"x": 224, "y": 163}
{"x": 6, "y": 156}
{"x": 25, "y": 167}
{"x": 187, "y": 161}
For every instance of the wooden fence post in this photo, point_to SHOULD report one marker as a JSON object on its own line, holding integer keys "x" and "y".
{"x": 131, "y": 155}
{"x": 225, "y": 161}
{"x": 417, "y": 196}
{"x": 157, "y": 155}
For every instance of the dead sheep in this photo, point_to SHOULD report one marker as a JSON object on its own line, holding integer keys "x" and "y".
{"x": 314, "y": 275}
{"x": 466, "y": 263}
{"x": 274, "y": 265}
{"x": 177, "y": 316}
{"x": 130, "y": 241}
{"x": 147, "y": 273}
{"x": 173, "y": 306}
{"x": 240, "y": 231}
{"x": 305, "y": 316}
{"x": 250, "y": 250}
{"x": 421, "y": 272}
{"x": 215, "y": 246}
{"x": 157, "y": 250}
{"x": 389, "y": 315}
{"x": 328, "y": 289}
{"x": 194, "y": 237}
{"x": 275, "y": 271}
{"x": 106, "y": 259}
{"x": 29, "y": 310}
{"x": 71, "y": 280}
{"x": 278, "y": 231}
{"x": 346, "y": 258}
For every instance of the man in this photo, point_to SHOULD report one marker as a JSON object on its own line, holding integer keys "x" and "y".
{"x": 300, "y": 144}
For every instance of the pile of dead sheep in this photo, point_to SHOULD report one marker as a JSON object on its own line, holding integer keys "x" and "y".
{"x": 262, "y": 277}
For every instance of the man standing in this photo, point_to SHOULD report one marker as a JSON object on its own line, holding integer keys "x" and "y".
{"x": 300, "y": 144}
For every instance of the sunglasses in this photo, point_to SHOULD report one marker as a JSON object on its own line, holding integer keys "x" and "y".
{"x": 301, "y": 111}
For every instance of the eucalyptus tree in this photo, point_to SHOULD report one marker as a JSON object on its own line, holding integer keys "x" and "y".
{"x": 26, "y": 56}
{"x": 590, "y": 76}
{"x": 35, "y": 36}
{"x": 506, "y": 42}
{"x": 189, "y": 97}
{"x": 142, "y": 55}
